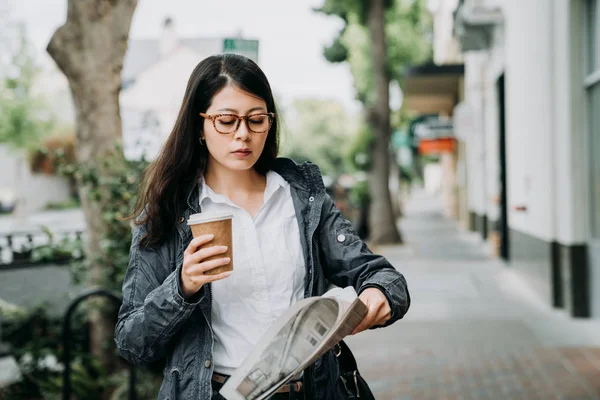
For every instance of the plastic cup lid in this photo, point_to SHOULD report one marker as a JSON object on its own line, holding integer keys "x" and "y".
{"x": 208, "y": 217}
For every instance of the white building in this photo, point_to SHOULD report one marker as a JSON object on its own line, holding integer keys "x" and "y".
{"x": 155, "y": 75}
{"x": 530, "y": 123}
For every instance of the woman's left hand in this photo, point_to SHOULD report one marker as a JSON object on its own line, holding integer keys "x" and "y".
{"x": 378, "y": 309}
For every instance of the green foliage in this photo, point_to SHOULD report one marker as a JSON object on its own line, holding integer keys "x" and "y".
{"x": 358, "y": 154}
{"x": 24, "y": 118}
{"x": 345, "y": 8}
{"x": 356, "y": 38}
{"x": 35, "y": 338}
{"x": 65, "y": 249}
{"x": 36, "y": 341}
{"x": 64, "y": 205}
{"x": 408, "y": 28}
{"x": 336, "y": 52}
{"x": 360, "y": 194}
{"x": 319, "y": 131}
{"x": 112, "y": 187}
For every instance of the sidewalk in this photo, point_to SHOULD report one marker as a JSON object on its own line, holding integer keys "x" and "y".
{"x": 475, "y": 329}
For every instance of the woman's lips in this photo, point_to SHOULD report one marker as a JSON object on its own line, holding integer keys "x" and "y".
{"x": 242, "y": 153}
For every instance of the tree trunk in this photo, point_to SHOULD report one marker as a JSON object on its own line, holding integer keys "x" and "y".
{"x": 382, "y": 221}
{"x": 89, "y": 49}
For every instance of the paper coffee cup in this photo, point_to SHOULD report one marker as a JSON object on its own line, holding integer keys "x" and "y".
{"x": 218, "y": 224}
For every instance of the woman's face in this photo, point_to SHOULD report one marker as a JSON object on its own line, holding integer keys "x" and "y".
{"x": 238, "y": 150}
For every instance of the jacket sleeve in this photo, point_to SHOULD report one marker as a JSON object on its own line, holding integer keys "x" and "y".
{"x": 349, "y": 262}
{"x": 153, "y": 308}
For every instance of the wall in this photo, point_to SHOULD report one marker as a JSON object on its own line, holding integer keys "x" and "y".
{"x": 540, "y": 52}
{"x": 8, "y": 176}
{"x": 529, "y": 80}
{"x": 475, "y": 160}
{"x": 158, "y": 91}
{"x": 161, "y": 87}
{"x": 545, "y": 149}
{"x": 446, "y": 47}
{"x": 530, "y": 137}
{"x": 32, "y": 192}
{"x": 494, "y": 69}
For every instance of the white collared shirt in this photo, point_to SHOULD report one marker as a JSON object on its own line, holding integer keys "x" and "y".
{"x": 268, "y": 271}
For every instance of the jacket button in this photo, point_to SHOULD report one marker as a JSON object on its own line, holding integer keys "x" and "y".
{"x": 341, "y": 238}
{"x": 207, "y": 363}
{"x": 181, "y": 219}
{"x": 311, "y": 198}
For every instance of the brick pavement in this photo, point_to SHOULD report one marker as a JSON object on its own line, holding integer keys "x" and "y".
{"x": 475, "y": 330}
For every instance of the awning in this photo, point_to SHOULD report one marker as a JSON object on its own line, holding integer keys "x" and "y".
{"x": 433, "y": 89}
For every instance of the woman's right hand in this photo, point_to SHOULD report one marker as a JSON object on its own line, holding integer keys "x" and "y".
{"x": 194, "y": 266}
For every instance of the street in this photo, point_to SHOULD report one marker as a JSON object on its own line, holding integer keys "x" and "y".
{"x": 475, "y": 329}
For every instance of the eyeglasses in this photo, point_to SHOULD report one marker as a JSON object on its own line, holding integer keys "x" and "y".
{"x": 229, "y": 123}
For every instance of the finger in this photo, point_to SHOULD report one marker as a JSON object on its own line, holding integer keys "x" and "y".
{"x": 383, "y": 315}
{"x": 201, "y": 268}
{"x": 206, "y": 252}
{"x": 218, "y": 277}
{"x": 366, "y": 322}
{"x": 197, "y": 242}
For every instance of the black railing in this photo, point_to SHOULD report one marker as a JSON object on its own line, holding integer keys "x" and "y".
{"x": 67, "y": 341}
{"x": 21, "y": 249}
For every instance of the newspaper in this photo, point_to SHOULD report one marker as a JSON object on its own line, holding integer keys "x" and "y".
{"x": 293, "y": 342}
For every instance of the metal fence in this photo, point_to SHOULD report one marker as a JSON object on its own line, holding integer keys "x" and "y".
{"x": 23, "y": 249}
{"x": 67, "y": 334}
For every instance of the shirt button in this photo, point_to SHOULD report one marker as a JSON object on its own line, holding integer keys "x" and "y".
{"x": 341, "y": 238}
{"x": 311, "y": 198}
{"x": 207, "y": 363}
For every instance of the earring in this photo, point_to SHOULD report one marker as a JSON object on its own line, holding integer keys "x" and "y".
{"x": 201, "y": 141}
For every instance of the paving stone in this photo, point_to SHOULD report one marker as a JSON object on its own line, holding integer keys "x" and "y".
{"x": 475, "y": 329}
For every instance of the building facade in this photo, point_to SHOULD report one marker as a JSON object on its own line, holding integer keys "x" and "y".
{"x": 530, "y": 121}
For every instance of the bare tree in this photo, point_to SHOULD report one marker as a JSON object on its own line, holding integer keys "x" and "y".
{"x": 89, "y": 49}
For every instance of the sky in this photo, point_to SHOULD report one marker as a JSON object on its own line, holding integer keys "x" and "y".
{"x": 291, "y": 36}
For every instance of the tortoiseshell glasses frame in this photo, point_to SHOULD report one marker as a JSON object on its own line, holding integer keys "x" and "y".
{"x": 214, "y": 117}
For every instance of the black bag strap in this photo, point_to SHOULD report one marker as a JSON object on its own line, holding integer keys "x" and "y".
{"x": 346, "y": 359}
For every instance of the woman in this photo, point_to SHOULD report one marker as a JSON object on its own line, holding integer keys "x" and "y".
{"x": 289, "y": 242}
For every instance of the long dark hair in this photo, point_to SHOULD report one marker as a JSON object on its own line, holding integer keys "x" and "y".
{"x": 182, "y": 161}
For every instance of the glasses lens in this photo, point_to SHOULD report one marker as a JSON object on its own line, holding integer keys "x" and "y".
{"x": 226, "y": 123}
{"x": 259, "y": 123}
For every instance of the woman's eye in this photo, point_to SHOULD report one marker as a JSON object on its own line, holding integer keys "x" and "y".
{"x": 257, "y": 120}
{"x": 226, "y": 120}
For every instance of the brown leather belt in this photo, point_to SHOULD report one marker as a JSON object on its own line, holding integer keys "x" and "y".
{"x": 296, "y": 385}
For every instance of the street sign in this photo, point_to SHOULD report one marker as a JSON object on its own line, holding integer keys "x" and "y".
{"x": 245, "y": 47}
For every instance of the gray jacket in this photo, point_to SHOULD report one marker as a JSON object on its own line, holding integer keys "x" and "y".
{"x": 156, "y": 322}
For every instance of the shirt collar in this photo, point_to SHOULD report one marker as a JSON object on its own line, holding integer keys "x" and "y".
{"x": 274, "y": 182}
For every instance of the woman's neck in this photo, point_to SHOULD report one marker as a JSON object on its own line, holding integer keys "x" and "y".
{"x": 234, "y": 184}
